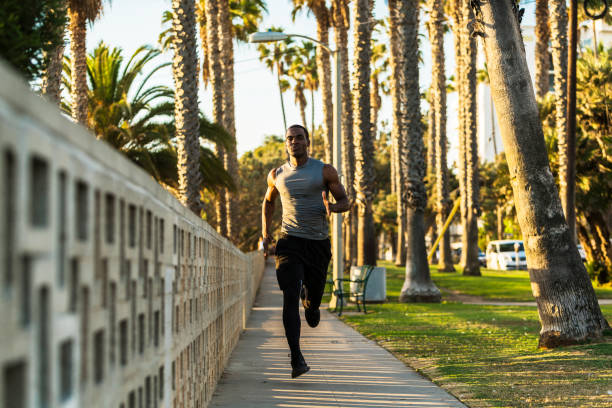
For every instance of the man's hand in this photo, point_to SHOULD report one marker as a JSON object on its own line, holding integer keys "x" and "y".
{"x": 326, "y": 202}
{"x": 268, "y": 249}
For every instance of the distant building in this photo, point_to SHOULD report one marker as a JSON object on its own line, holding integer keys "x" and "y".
{"x": 489, "y": 137}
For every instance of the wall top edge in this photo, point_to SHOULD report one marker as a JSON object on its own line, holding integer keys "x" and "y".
{"x": 19, "y": 97}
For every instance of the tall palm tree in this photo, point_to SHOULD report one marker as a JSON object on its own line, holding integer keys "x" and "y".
{"x": 397, "y": 133}
{"x": 215, "y": 75}
{"x": 364, "y": 140}
{"x": 443, "y": 205}
{"x": 567, "y": 305}
{"x": 137, "y": 119}
{"x": 305, "y": 62}
{"x": 185, "y": 72}
{"x": 277, "y": 57}
{"x": 469, "y": 253}
{"x": 79, "y": 13}
{"x": 299, "y": 88}
{"x": 558, "y": 31}
{"x": 226, "y": 45}
{"x": 542, "y": 33}
{"x": 378, "y": 82}
{"x": 341, "y": 23}
{"x": 417, "y": 286}
{"x": 322, "y": 16}
{"x": 52, "y": 77}
{"x": 232, "y": 19}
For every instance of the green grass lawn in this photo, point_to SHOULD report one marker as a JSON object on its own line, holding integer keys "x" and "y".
{"x": 511, "y": 286}
{"x": 488, "y": 355}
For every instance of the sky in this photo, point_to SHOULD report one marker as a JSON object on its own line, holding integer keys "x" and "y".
{"x": 133, "y": 23}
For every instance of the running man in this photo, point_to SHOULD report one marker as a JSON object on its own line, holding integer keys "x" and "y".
{"x": 303, "y": 250}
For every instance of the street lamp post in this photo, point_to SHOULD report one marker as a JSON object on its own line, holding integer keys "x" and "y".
{"x": 337, "y": 250}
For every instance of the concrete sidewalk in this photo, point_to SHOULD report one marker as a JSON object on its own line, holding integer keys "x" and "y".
{"x": 346, "y": 369}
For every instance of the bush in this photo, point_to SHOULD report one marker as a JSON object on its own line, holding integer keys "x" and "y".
{"x": 29, "y": 29}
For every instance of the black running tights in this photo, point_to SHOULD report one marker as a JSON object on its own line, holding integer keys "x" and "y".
{"x": 291, "y": 316}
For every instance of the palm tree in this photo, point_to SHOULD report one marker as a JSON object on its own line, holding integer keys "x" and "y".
{"x": 567, "y": 305}
{"x": 417, "y": 286}
{"x": 465, "y": 57}
{"x": 341, "y": 22}
{"x": 542, "y": 32}
{"x": 322, "y": 15}
{"x": 52, "y": 78}
{"x": 51, "y": 86}
{"x": 215, "y": 72}
{"x": 306, "y": 55}
{"x": 443, "y": 204}
{"x": 300, "y": 98}
{"x": 79, "y": 13}
{"x": 469, "y": 253}
{"x": 185, "y": 72}
{"x": 137, "y": 119}
{"x": 232, "y": 19}
{"x": 558, "y": 31}
{"x": 364, "y": 140}
{"x": 397, "y": 133}
{"x": 378, "y": 82}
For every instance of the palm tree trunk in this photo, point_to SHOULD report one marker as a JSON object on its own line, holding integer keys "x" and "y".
{"x": 558, "y": 31}
{"x": 500, "y": 222}
{"x": 418, "y": 286}
{"x": 397, "y": 134}
{"x": 324, "y": 72}
{"x": 231, "y": 155}
{"x": 203, "y": 31}
{"x": 78, "y": 51}
{"x": 341, "y": 20}
{"x": 280, "y": 90}
{"x": 459, "y": 31}
{"x": 542, "y": 33}
{"x": 375, "y": 103}
{"x": 216, "y": 79}
{"x": 431, "y": 165}
{"x": 431, "y": 139}
{"x": 312, "y": 114}
{"x": 567, "y": 161}
{"x": 186, "y": 110}
{"x": 438, "y": 86}
{"x": 567, "y": 305}
{"x": 51, "y": 86}
{"x": 303, "y": 112}
{"x": 364, "y": 142}
{"x": 469, "y": 253}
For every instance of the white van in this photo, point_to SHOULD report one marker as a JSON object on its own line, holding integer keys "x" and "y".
{"x": 506, "y": 254}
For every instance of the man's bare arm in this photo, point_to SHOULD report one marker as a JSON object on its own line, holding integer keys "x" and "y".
{"x": 332, "y": 181}
{"x": 267, "y": 209}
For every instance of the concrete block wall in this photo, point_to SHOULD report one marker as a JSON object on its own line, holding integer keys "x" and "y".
{"x": 112, "y": 294}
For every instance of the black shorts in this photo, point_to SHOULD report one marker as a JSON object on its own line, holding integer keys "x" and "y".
{"x": 301, "y": 259}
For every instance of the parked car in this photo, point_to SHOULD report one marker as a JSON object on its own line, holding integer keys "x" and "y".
{"x": 482, "y": 258}
{"x": 506, "y": 254}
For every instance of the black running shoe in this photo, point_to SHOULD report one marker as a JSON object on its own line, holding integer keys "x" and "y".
{"x": 298, "y": 366}
{"x": 313, "y": 317}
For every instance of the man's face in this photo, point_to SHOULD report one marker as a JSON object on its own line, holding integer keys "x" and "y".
{"x": 296, "y": 142}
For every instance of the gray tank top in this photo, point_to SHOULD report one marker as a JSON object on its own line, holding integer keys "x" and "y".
{"x": 300, "y": 190}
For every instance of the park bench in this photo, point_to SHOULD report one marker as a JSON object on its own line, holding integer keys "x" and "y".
{"x": 356, "y": 292}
